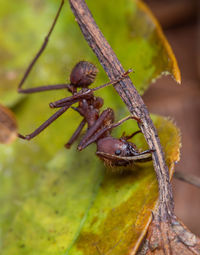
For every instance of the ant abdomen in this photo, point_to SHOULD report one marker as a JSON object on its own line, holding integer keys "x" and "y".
{"x": 83, "y": 74}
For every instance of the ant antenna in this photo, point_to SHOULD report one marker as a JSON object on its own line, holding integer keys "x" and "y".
{"x": 42, "y": 47}
{"x": 124, "y": 75}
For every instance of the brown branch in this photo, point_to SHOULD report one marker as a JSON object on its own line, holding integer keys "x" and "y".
{"x": 131, "y": 98}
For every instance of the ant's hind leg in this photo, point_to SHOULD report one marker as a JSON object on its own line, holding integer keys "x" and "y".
{"x": 45, "y": 124}
{"x": 146, "y": 152}
{"x": 28, "y": 70}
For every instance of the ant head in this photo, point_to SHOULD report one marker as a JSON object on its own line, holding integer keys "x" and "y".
{"x": 116, "y": 152}
{"x": 83, "y": 74}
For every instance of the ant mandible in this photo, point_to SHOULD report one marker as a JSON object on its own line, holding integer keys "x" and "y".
{"x": 113, "y": 151}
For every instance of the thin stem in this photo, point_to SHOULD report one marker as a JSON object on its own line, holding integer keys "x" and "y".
{"x": 132, "y": 99}
{"x": 188, "y": 178}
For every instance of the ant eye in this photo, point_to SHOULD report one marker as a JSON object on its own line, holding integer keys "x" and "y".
{"x": 117, "y": 152}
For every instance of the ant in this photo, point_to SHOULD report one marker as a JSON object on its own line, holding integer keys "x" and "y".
{"x": 113, "y": 151}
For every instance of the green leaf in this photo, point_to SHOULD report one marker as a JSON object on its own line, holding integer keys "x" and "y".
{"x": 57, "y": 201}
{"x": 137, "y": 39}
{"x": 71, "y": 205}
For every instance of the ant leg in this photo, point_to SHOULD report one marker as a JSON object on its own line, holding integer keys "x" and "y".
{"x": 92, "y": 133}
{"x": 88, "y": 139}
{"x": 42, "y": 47}
{"x": 130, "y": 136}
{"x": 143, "y": 156}
{"x": 146, "y": 152}
{"x": 77, "y": 110}
{"x": 75, "y": 134}
{"x": 83, "y": 110}
{"x": 75, "y": 98}
{"x": 45, "y": 124}
{"x": 44, "y": 88}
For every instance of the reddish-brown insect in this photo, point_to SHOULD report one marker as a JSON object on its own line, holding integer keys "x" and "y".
{"x": 114, "y": 152}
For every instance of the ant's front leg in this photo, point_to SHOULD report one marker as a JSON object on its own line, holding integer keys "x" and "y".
{"x": 146, "y": 152}
{"x": 143, "y": 156}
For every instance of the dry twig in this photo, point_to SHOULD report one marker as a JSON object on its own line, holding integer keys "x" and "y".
{"x": 164, "y": 225}
{"x": 130, "y": 96}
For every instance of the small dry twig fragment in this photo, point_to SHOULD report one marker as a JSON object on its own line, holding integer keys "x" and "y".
{"x": 8, "y": 126}
{"x": 169, "y": 237}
